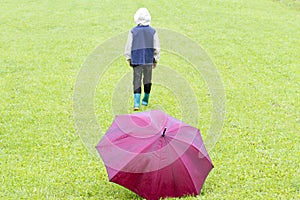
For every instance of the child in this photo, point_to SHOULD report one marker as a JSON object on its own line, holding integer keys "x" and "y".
{"x": 142, "y": 52}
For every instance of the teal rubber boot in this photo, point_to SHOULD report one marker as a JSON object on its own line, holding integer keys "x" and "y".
{"x": 146, "y": 99}
{"x": 137, "y": 98}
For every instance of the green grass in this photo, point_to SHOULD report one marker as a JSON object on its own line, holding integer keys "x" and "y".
{"x": 254, "y": 44}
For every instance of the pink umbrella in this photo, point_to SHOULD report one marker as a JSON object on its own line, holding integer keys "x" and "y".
{"x": 155, "y": 155}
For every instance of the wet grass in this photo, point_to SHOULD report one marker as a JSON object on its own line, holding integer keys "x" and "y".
{"x": 255, "y": 46}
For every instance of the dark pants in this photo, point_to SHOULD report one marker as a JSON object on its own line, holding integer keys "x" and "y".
{"x": 140, "y": 71}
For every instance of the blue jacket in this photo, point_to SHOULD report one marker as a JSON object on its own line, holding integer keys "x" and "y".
{"x": 142, "y": 51}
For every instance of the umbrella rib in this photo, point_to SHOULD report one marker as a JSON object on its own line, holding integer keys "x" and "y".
{"x": 191, "y": 144}
{"x": 128, "y": 162}
{"x": 185, "y": 167}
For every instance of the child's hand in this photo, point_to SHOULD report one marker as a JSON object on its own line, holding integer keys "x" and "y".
{"x": 154, "y": 66}
{"x": 129, "y": 62}
{"x": 154, "y": 63}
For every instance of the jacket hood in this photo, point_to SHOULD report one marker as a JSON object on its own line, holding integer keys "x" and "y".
{"x": 142, "y": 17}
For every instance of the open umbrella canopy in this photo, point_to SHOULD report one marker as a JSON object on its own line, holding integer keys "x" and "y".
{"x": 155, "y": 155}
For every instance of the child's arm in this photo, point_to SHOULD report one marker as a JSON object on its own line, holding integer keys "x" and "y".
{"x": 156, "y": 47}
{"x": 127, "y": 52}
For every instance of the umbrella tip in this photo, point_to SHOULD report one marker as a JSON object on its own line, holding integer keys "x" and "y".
{"x": 164, "y": 132}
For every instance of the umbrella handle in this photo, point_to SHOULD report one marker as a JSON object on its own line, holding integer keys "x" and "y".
{"x": 164, "y": 132}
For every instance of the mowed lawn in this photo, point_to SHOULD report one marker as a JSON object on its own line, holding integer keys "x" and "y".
{"x": 255, "y": 45}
